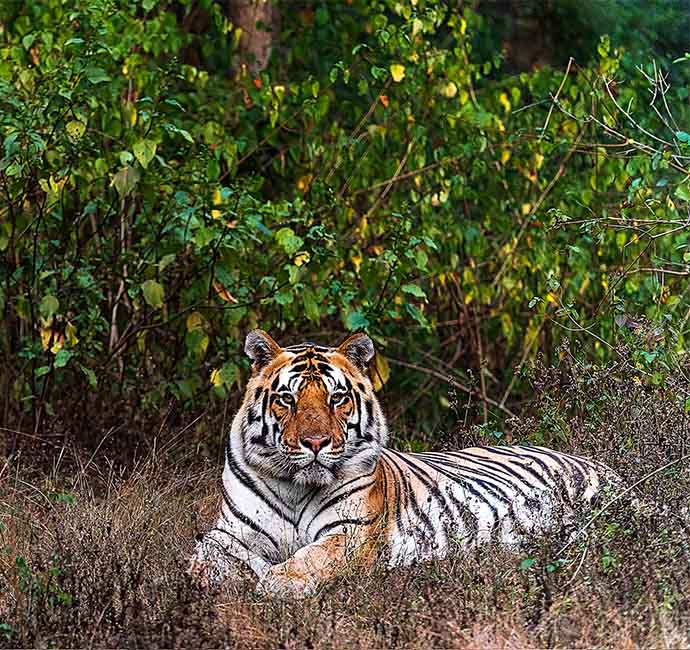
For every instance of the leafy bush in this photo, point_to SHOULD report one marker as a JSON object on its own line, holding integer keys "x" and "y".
{"x": 381, "y": 175}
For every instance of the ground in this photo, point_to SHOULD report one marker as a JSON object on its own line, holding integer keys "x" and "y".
{"x": 94, "y": 554}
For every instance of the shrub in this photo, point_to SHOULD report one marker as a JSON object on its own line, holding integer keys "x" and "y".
{"x": 156, "y": 209}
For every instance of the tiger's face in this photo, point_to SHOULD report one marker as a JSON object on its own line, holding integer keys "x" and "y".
{"x": 309, "y": 414}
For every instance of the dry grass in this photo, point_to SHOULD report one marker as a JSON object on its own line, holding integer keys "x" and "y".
{"x": 94, "y": 557}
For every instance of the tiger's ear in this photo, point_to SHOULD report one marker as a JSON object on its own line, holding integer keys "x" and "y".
{"x": 261, "y": 348}
{"x": 359, "y": 349}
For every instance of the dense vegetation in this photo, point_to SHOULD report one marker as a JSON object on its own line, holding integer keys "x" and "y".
{"x": 383, "y": 172}
{"x": 499, "y": 193}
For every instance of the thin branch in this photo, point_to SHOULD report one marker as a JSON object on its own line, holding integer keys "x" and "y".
{"x": 449, "y": 380}
{"x": 554, "y": 100}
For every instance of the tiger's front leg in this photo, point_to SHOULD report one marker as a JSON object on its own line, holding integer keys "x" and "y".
{"x": 308, "y": 569}
{"x": 219, "y": 557}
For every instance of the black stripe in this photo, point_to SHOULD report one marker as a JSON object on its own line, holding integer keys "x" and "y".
{"x": 337, "y": 499}
{"x": 311, "y": 498}
{"x": 361, "y": 521}
{"x": 466, "y": 483}
{"x": 412, "y": 497}
{"x": 469, "y": 520}
{"x": 464, "y": 469}
{"x": 252, "y": 417}
{"x": 558, "y": 480}
{"x": 499, "y": 466}
{"x": 430, "y": 484}
{"x": 396, "y": 492}
{"x": 234, "y": 538}
{"x": 246, "y": 520}
{"x": 251, "y": 485}
{"x": 352, "y": 480}
{"x": 566, "y": 463}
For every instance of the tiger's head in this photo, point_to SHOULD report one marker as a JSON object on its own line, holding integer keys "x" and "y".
{"x": 309, "y": 414}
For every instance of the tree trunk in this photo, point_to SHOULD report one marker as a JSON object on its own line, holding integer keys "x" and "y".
{"x": 259, "y": 21}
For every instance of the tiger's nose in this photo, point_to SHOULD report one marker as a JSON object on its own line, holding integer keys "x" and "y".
{"x": 315, "y": 442}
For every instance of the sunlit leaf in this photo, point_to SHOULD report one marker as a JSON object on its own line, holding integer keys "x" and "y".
{"x": 154, "y": 293}
{"x": 75, "y": 129}
{"x": 397, "y": 72}
{"x": 125, "y": 180}
{"x": 144, "y": 151}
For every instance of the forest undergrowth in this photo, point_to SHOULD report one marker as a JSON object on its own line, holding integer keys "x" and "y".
{"x": 94, "y": 553}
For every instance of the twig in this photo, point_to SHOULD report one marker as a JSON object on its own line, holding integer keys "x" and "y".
{"x": 388, "y": 186}
{"x": 537, "y": 204}
{"x": 656, "y": 270}
{"x": 579, "y": 566}
{"x": 434, "y": 373}
{"x": 554, "y": 101}
{"x": 406, "y": 175}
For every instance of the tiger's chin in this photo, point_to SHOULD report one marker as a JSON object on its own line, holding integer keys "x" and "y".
{"x": 314, "y": 474}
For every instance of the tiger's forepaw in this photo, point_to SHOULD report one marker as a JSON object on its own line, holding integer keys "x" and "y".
{"x": 203, "y": 572}
{"x": 280, "y": 582}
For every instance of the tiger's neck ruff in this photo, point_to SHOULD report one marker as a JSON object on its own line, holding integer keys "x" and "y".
{"x": 308, "y": 486}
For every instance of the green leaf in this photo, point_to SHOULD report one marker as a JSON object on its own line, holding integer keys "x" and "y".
{"x": 527, "y": 563}
{"x": 97, "y": 75}
{"x": 230, "y": 374}
{"x": 154, "y": 294}
{"x": 43, "y": 370}
{"x": 144, "y": 151}
{"x": 90, "y": 375}
{"x": 75, "y": 129}
{"x": 125, "y": 180}
{"x": 62, "y": 357}
{"x": 49, "y": 306}
{"x": 417, "y": 315}
{"x": 682, "y": 136}
{"x": 171, "y": 128}
{"x": 13, "y": 169}
{"x": 289, "y": 241}
{"x": 311, "y": 308}
{"x": 683, "y": 192}
{"x": 355, "y": 320}
{"x": 321, "y": 16}
{"x": 414, "y": 290}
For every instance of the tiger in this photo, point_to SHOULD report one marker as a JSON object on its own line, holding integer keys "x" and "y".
{"x": 309, "y": 486}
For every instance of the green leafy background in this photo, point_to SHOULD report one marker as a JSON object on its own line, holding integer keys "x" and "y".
{"x": 390, "y": 171}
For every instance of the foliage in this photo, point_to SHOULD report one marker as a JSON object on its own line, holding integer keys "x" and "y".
{"x": 382, "y": 175}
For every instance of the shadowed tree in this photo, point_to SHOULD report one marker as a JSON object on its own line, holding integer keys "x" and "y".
{"x": 259, "y": 21}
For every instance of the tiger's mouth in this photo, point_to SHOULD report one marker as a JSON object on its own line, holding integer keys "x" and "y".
{"x": 315, "y": 473}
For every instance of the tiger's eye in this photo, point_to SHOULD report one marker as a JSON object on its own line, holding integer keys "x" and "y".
{"x": 338, "y": 399}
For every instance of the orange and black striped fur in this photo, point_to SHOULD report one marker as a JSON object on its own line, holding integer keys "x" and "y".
{"x": 309, "y": 486}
